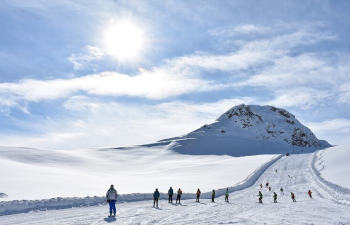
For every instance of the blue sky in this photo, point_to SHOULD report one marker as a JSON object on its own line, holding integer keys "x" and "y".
{"x": 64, "y": 85}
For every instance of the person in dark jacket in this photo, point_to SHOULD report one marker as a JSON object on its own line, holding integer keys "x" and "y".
{"x": 274, "y": 197}
{"x": 226, "y": 195}
{"x": 179, "y": 193}
{"x": 213, "y": 196}
{"x": 198, "y": 195}
{"x": 171, "y": 193}
{"x": 111, "y": 196}
{"x": 260, "y": 197}
{"x": 156, "y": 197}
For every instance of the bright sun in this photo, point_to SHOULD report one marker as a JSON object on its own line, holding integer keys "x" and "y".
{"x": 124, "y": 40}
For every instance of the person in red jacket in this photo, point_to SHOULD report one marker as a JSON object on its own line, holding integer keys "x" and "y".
{"x": 310, "y": 193}
{"x": 293, "y": 196}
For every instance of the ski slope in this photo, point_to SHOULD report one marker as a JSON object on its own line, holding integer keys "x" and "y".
{"x": 242, "y": 209}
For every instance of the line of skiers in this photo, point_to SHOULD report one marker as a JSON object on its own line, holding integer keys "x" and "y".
{"x": 179, "y": 193}
{"x": 282, "y": 193}
{"x": 112, "y": 194}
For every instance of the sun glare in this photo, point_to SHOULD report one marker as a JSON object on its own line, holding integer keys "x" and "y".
{"x": 124, "y": 40}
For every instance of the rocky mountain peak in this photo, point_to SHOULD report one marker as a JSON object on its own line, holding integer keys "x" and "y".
{"x": 261, "y": 123}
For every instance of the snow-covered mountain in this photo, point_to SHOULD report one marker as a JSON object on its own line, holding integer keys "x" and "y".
{"x": 261, "y": 123}
{"x": 244, "y": 129}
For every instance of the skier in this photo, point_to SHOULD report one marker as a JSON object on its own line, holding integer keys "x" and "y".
{"x": 170, "y": 193}
{"x": 213, "y": 196}
{"x": 111, "y": 196}
{"x": 276, "y": 170}
{"x": 293, "y": 196}
{"x": 198, "y": 195}
{"x": 269, "y": 188}
{"x": 260, "y": 186}
{"x": 179, "y": 193}
{"x": 260, "y": 197}
{"x": 226, "y": 195}
{"x": 267, "y": 184}
{"x": 156, "y": 197}
{"x": 274, "y": 197}
{"x": 310, "y": 193}
{"x": 282, "y": 191}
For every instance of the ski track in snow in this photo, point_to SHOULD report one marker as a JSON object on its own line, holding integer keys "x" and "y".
{"x": 243, "y": 208}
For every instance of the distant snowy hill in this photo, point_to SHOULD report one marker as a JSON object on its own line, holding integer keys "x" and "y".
{"x": 250, "y": 130}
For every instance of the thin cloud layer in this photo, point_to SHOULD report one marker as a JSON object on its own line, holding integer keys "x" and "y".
{"x": 240, "y": 29}
{"x": 92, "y": 123}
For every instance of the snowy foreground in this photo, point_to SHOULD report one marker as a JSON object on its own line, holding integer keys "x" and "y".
{"x": 326, "y": 207}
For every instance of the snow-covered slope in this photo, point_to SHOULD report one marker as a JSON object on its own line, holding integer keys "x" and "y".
{"x": 40, "y": 174}
{"x": 333, "y": 165}
{"x": 250, "y": 130}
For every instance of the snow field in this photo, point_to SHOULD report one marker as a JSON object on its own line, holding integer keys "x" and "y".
{"x": 32, "y": 174}
{"x": 13, "y": 207}
{"x": 242, "y": 209}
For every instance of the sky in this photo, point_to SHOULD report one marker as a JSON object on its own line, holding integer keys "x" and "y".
{"x": 79, "y": 74}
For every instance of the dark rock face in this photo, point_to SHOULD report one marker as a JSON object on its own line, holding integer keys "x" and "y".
{"x": 3, "y": 195}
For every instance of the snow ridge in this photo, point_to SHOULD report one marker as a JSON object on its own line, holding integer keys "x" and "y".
{"x": 23, "y": 206}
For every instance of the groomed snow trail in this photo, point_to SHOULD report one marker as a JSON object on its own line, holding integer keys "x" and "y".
{"x": 242, "y": 209}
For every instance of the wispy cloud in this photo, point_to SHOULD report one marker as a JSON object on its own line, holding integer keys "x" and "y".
{"x": 344, "y": 95}
{"x": 240, "y": 29}
{"x": 86, "y": 57}
{"x": 337, "y": 130}
{"x": 302, "y": 97}
{"x": 342, "y": 125}
{"x": 154, "y": 84}
{"x": 93, "y": 123}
